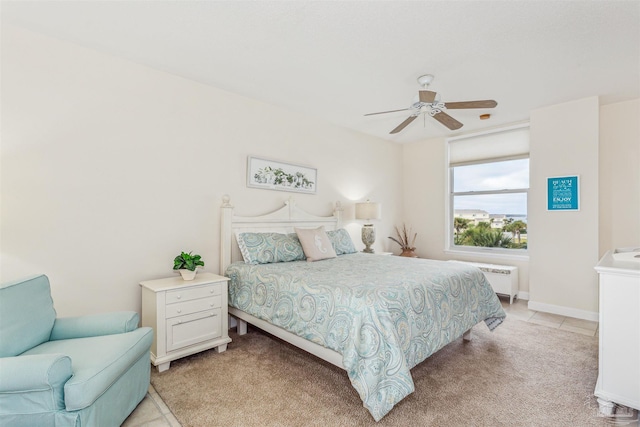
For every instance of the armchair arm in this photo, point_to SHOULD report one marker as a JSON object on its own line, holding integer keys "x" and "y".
{"x": 34, "y": 382}
{"x": 94, "y": 325}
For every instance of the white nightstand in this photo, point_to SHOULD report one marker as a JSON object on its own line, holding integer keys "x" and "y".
{"x": 186, "y": 316}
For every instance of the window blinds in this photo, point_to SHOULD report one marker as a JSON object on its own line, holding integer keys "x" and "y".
{"x": 489, "y": 147}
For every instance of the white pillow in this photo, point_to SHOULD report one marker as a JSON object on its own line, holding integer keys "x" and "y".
{"x": 315, "y": 243}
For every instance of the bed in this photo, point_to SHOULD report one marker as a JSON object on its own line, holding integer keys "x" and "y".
{"x": 374, "y": 316}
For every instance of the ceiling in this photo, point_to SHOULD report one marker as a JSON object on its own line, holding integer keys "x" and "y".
{"x": 337, "y": 61}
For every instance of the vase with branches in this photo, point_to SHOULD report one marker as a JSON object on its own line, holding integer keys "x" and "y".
{"x": 406, "y": 241}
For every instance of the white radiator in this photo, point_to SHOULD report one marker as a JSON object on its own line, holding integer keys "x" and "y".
{"x": 503, "y": 278}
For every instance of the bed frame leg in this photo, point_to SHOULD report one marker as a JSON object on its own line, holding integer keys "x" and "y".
{"x": 242, "y": 326}
{"x": 467, "y": 335}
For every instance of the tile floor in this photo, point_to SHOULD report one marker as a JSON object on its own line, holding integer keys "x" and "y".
{"x": 152, "y": 412}
{"x": 519, "y": 310}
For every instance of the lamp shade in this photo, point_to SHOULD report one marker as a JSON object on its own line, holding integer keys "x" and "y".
{"x": 368, "y": 210}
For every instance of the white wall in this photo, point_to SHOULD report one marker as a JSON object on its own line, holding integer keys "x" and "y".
{"x": 619, "y": 159}
{"x": 110, "y": 169}
{"x": 563, "y": 245}
{"x": 424, "y": 187}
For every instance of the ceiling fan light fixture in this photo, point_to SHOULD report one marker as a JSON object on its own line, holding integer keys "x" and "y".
{"x": 425, "y": 80}
{"x": 429, "y": 102}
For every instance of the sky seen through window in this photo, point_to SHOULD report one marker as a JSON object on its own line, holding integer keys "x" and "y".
{"x": 504, "y": 175}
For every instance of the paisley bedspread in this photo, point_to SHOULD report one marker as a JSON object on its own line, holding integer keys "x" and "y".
{"x": 384, "y": 314}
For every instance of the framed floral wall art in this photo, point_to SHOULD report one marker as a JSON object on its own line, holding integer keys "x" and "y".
{"x": 275, "y": 175}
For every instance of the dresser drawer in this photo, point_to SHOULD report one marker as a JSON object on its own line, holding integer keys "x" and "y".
{"x": 193, "y": 306}
{"x": 192, "y": 329}
{"x": 193, "y": 293}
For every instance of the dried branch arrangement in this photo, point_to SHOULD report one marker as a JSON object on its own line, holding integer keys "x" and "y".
{"x": 403, "y": 238}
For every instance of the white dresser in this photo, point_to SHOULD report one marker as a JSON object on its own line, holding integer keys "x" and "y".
{"x": 186, "y": 316}
{"x": 619, "y": 354}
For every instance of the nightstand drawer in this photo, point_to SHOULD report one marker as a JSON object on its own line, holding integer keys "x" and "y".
{"x": 193, "y": 293}
{"x": 191, "y": 329}
{"x": 193, "y": 306}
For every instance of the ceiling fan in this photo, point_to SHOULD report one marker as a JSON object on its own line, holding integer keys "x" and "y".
{"x": 429, "y": 102}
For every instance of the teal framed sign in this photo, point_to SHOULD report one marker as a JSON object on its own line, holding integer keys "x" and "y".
{"x": 563, "y": 193}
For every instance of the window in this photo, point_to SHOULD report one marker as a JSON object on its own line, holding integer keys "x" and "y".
{"x": 488, "y": 187}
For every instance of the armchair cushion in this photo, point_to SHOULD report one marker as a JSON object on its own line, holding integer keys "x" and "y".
{"x": 25, "y": 305}
{"x": 94, "y": 325}
{"x": 33, "y": 384}
{"x": 97, "y": 362}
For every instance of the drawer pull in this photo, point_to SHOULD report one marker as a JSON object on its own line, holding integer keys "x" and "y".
{"x": 179, "y": 311}
{"x": 211, "y": 290}
{"x": 179, "y": 322}
{"x": 212, "y": 314}
{"x": 179, "y": 296}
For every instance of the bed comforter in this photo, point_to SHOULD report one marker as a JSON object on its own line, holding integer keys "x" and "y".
{"x": 384, "y": 314}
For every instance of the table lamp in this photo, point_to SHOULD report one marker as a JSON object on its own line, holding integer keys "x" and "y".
{"x": 368, "y": 211}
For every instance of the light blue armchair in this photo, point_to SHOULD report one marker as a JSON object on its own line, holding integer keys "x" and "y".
{"x": 83, "y": 371}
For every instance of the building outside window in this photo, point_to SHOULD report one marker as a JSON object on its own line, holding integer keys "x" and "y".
{"x": 488, "y": 188}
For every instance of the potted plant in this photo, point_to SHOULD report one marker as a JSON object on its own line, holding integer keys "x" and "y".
{"x": 186, "y": 264}
{"x": 405, "y": 243}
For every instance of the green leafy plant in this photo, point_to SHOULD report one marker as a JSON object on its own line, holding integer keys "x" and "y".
{"x": 403, "y": 239}
{"x": 187, "y": 261}
{"x": 483, "y": 235}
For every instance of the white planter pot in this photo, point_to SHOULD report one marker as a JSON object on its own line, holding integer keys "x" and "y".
{"x": 188, "y": 274}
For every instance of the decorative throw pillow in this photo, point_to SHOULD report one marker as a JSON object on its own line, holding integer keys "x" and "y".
{"x": 341, "y": 241}
{"x": 315, "y": 243}
{"x": 265, "y": 248}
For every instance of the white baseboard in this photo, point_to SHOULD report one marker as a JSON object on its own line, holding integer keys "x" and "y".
{"x": 563, "y": 311}
{"x": 523, "y": 295}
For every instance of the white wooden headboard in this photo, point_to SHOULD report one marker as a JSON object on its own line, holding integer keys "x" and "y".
{"x": 282, "y": 220}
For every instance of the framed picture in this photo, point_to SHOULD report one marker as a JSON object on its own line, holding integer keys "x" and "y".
{"x": 563, "y": 193}
{"x": 274, "y": 175}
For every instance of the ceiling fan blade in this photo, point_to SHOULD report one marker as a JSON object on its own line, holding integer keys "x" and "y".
{"x": 488, "y": 103}
{"x": 403, "y": 124}
{"x": 385, "y": 112}
{"x": 447, "y": 120}
{"x": 427, "y": 96}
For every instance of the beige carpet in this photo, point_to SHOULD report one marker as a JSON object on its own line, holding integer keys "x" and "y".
{"x": 522, "y": 374}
